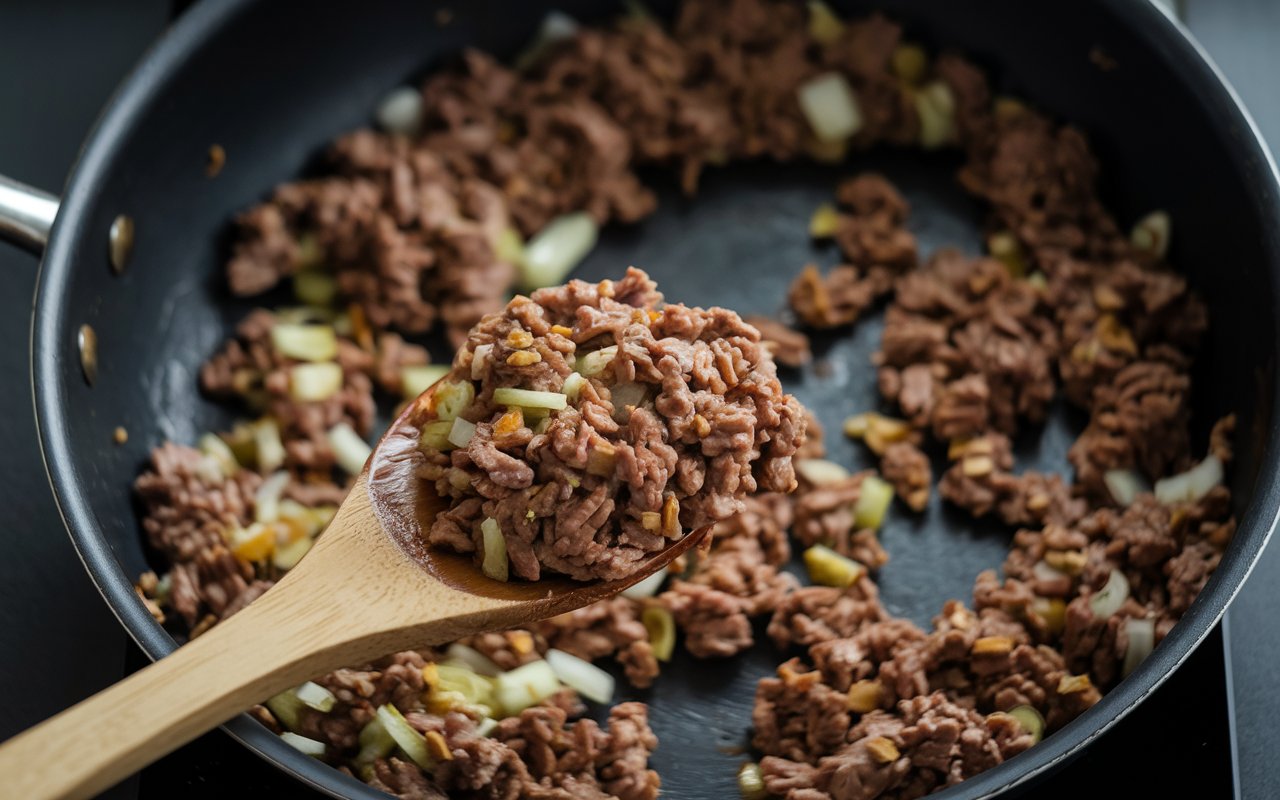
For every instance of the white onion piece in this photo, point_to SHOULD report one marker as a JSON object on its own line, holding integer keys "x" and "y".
{"x": 305, "y": 342}
{"x": 479, "y": 359}
{"x": 555, "y": 250}
{"x": 586, "y": 678}
{"x": 214, "y": 447}
{"x": 407, "y": 738}
{"x": 525, "y": 686}
{"x": 1110, "y": 597}
{"x": 819, "y": 471}
{"x": 573, "y": 386}
{"x": 1125, "y": 485}
{"x": 285, "y": 707}
{"x": 1045, "y": 571}
{"x": 1151, "y": 233}
{"x": 485, "y": 726}
{"x": 400, "y": 111}
{"x": 287, "y": 557}
{"x": 473, "y": 659}
{"x": 556, "y": 27}
{"x": 830, "y": 107}
{"x": 349, "y": 448}
{"x": 495, "y": 563}
{"x": 375, "y": 743}
{"x": 1190, "y": 486}
{"x": 313, "y": 695}
{"x": 461, "y": 432}
{"x": 267, "y": 444}
{"x": 936, "y": 108}
{"x": 1142, "y": 640}
{"x": 266, "y": 501}
{"x": 593, "y": 363}
{"x": 301, "y": 743}
{"x": 314, "y": 383}
{"x": 529, "y": 398}
{"x": 647, "y": 587}
{"x": 417, "y": 379}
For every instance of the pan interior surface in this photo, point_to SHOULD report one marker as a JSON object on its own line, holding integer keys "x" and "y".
{"x": 1167, "y": 134}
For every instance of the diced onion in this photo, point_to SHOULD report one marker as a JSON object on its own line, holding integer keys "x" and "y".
{"x": 528, "y": 398}
{"x": 254, "y": 543}
{"x": 479, "y": 359}
{"x": 407, "y": 738}
{"x": 573, "y": 386}
{"x": 495, "y": 550}
{"x": 661, "y": 627}
{"x": 936, "y": 107}
{"x": 556, "y": 27}
{"x": 586, "y": 678}
{"x": 828, "y": 568}
{"x": 820, "y": 472}
{"x": 1190, "y": 486}
{"x": 285, "y": 707}
{"x": 214, "y": 447}
{"x": 624, "y": 395}
{"x": 823, "y": 223}
{"x": 525, "y": 686}
{"x": 1045, "y": 571}
{"x": 350, "y": 450}
{"x": 305, "y": 342}
{"x": 751, "y": 782}
{"x": 375, "y": 742}
{"x": 267, "y": 445}
{"x": 315, "y": 288}
{"x": 266, "y": 501}
{"x": 1125, "y": 485}
{"x": 647, "y": 587}
{"x": 287, "y": 557}
{"x": 825, "y": 26}
{"x": 313, "y": 695}
{"x": 830, "y": 107}
{"x": 435, "y": 436}
{"x": 313, "y": 383}
{"x": 1151, "y": 234}
{"x": 452, "y": 398}
{"x": 400, "y": 111}
{"x": 555, "y": 250}
{"x": 1030, "y": 720}
{"x": 472, "y": 689}
{"x": 476, "y": 661}
{"x": 301, "y": 743}
{"x": 417, "y": 379}
{"x": 1142, "y": 640}
{"x": 461, "y": 432}
{"x": 485, "y": 726}
{"x": 593, "y": 363}
{"x": 508, "y": 246}
{"x": 1110, "y": 597}
{"x": 874, "y": 498}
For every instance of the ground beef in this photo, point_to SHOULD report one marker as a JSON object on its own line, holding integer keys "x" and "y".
{"x": 788, "y": 346}
{"x": 608, "y": 628}
{"x": 907, "y": 467}
{"x": 603, "y": 485}
{"x": 817, "y": 613}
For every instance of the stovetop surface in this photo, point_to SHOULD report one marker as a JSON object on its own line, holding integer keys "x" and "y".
{"x": 1209, "y": 732}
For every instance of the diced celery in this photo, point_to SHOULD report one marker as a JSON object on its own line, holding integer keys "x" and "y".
{"x": 828, "y": 568}
{"x": 662, "y": 631}
{"x": 417, "y": 379}
{"x": 408, "y": 739}
{"x": 305, "y": 342}
{"x": 525, "y": 686}
{"x": 350, "y": 449}
{"x": 313, "y": 695}
{"x": 314, "y": 382}
{"x": 528, "y": 398}
{"x": 495, "y": 550}
{"x": 874, "y": 498}
{"x": 830, "y": 106}
{"x": 452, "y": 398}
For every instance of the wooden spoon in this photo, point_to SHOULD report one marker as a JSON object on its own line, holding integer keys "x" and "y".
{"x": 368, "y": 587}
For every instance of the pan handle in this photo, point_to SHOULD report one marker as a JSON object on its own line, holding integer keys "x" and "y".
{"x": 26, "y": 214}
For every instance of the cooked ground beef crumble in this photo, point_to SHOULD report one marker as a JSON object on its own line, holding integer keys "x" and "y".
{"x": 403, "y": 234}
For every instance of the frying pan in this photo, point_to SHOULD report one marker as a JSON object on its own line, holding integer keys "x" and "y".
{"x": 273, "y": 82}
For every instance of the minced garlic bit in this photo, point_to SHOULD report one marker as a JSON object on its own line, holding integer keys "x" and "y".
{"x": 438, "y": 747}
{"x": 1071, "y": 562}
{"x": 521, "y": 642}
{"x": 701, "y": 426}
{"x": 562, "y": 330}
{"x": 882, "y": 749}
{"x": 524, "y": 358}
{"x": 992, "y": 645}
{"x": 864, "y": 696}
{"x": 671, "y": 517}
{"x": 120, "y": 435}
{"x": 650, "y": 520}
{"x": 519, "y": 339}
{"x": 978, "y": 466}
{"x": 1074, "y": 683}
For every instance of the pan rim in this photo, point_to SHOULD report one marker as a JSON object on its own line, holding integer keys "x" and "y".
{"x": 1183, "y": 56}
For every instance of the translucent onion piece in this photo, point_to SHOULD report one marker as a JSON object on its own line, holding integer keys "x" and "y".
{"x": 301, "y": 743}
{"x": 479, "y": 359}
{"x": 305, "y": 342}
{"x": 214, "y": 447}
{"x": 662, "y": 631}
{"x": 828, "y": 568}
{"x": 593, "y": 363}
{"x": 936, "y": 107}
{"x": 314, "y": 383}
{"x": 472, "y": 688}
{"x": 528, "y": 398}
{"x": 1151, "y": 234}
{"x": 375, "y": 742}
{"x": 417, "y": 379}
{"x": 555, "y": 250}
{"x": 461, "y": 432}
{"x": 819, "y": 471}
{"x": 435, "y": 435}
{"x": 452, "y": 398}
{"x": 266, "y": 501}
{"x": 476, "y": 661}
{"x": 751, "y": 782}
{"x": 573, "y": 386}
{"x": 1045, "y": 571}
{"x": 406, "y": 737}
{"x": 525, "y": 686}
{"x": 1125, "y": 485}
{"x": 830, "y": 107}
{"x": 647, "y": 587}
{"x": 873, "y": 500}
{"x": 287, "y": 557}
{"x": 268, "y": 447}
{"x": 586, "y": 678}
{"x": 315, "y": 288}
{"x": 285, "y": 707}
{"x": 485, "y": 726}
{"x": 1190, "y": 486}
{"x": 1142, "y": 640}
{"x": 1030, "y": 720}
{"x": 825, "y": 26}
{"x": 495, "y": 550}
{"x": 349, "y": 448}
{"x": 556, "y": 27}
{"x": 400, "y": 111}
{"x": 1108, "y": 600}
{"x": 313, "y": 695}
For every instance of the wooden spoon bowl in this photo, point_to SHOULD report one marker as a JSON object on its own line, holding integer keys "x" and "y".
{"x": 368, "y": 587}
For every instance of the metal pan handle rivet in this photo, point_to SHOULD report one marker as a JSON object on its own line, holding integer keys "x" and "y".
{"x": 121, "y": 242}
{"x": 87, "y": 342}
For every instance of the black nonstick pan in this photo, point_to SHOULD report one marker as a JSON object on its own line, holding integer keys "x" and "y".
{"x": 119, "y": 344}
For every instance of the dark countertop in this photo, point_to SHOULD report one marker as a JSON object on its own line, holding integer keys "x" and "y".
{"x": 59, "y": 642}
